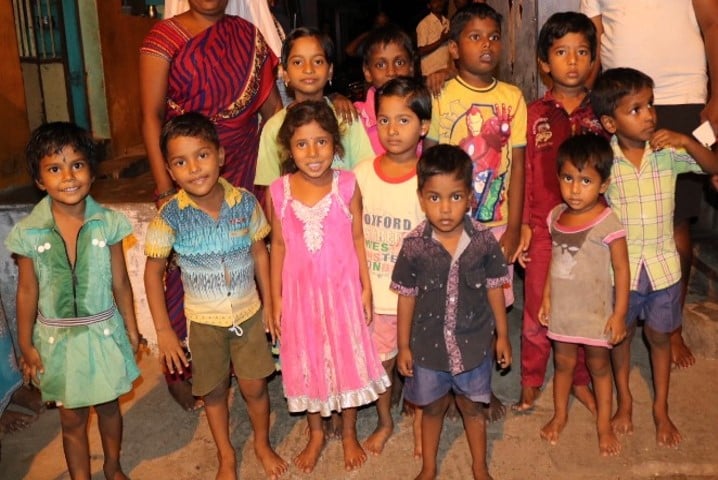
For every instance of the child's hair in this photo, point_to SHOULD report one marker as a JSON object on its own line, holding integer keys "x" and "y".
{"x": 587, "y": 150}
{"x": 301, "y": 32}
{"x": 51, "y": 138}
{"x": 559, "y": 25}
{"x": 300, "y": 114}
{"x": 469, "y": 12}
{"x": 191, "y": 124}
{"x": 614, "y": 84}
{"x": 413, "y": 90}
{"x": 383, "y": 36}
{"x": 444, "y": 159}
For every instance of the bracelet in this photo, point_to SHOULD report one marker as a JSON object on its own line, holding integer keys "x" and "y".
{"x": 165, "y": 194}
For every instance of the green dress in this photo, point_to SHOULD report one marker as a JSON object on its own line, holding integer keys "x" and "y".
{"x": 85, "y": 363}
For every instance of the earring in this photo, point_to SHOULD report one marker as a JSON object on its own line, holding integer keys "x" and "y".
{"x": 330, "y": 82}
{"x": 286, "y": 84}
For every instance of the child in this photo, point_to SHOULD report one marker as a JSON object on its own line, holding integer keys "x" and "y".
{"x": 446, "y": 325}
{"x": 646, "y": 162}
{"x": 432, "y": 35}
{"x": 320, "y": 284}
{"x": 388, "y": 53}
{"x": 566, "y": 52}
{"x": 391, "y": 210}
{"x": 487, "y": 119}
{"x": 75, "y": 311}
{"x": 217, "y": 232}
{"x": 308, "y": 64}
{"x": 580, "y": 305}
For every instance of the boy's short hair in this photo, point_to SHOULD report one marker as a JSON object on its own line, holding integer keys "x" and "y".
{"x": 51, "y": 138}
{"x": 444, "y": 159}
{"x": 614, "y": 84}
{"x": 559, "y": 25}
{"x": 301, "y": 32}
{"x": 191, "y": 124}
{"x": 584, "y": 150}
{"x": 418, "y": 97}
{"x": 469, "y": 12}
{"x": 383, "y": 36}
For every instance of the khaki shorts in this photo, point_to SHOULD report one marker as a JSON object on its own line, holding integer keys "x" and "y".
{"x": 214, "y": 347}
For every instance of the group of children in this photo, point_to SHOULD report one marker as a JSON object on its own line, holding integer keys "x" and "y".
{"x": 385, "y": 251}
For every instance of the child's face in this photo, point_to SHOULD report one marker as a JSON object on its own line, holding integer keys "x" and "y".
{"x": 569, "y": 61}
{"x": 386, "y": 62}
{"x": 65, "y": 176}
{"x": 312, "y": 150}
{"x": 634, "y": 119}
{"x": 307, "y": 70}
{"x": 580, "y": 189}
{"x": 477, "y": 51}
{"x": 194, "y": 163}
{"x": 399, "y": 127}
{"x": 444, "y": 199}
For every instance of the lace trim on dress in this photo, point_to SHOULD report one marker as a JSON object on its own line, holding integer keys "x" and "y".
{"x": 340, "y": 401}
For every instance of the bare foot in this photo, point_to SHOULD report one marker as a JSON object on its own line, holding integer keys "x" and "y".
{"x": 585, "y": 395}
{"x": 551, "y": 431}
{"x": 496, "y": 410}
{"x": 426, "y": 474}
{"x": 28, "y": 397}
{"x": 114, "y": 473}
{"x": 332, "y": 427}
{"x": 307, "y": 458}
{"x": 622, "y": 421}
{"x": 374, "y": 444}
{"x": 608, "y": 444}
{"x": 274, "y": 465}
{"x": 11, "y": 421}
{"x": 354, "y": 455}
{"x": 681, "y": 355}
{"x": 227, "y": 467}
{"x": 182, "y": 393}
{"x": 481, "y": 472}
{"x": 527, "y": 402}
{"x": 667, "y": 435}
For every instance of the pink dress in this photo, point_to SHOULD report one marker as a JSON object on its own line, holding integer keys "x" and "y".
{"x": 329, "y": 361}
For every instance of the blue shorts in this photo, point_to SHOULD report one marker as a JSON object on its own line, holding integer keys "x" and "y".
{"x": 661, "y": 308}
{"x": 427, "y": 385}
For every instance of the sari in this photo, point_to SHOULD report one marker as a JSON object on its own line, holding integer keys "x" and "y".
{"x": 10, "y": 376}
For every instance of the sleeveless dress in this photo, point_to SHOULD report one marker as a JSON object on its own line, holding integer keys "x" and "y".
{"x": 329, "y": 361}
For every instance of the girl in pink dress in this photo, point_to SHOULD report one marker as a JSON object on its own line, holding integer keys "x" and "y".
{"x": 320, "y": 283}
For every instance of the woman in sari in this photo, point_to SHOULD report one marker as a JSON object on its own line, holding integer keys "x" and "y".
{"x": 219, "y": 65}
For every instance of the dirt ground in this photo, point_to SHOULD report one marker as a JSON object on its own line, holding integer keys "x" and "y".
{"x": 163, "y": 442}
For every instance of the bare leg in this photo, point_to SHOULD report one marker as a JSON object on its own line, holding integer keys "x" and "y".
{"x": 416, "y": 431}
{"x": 564, "y": 360}
{"x": 585, "y": 396}
{"x": 218, "y": 418}
{"x": 181, "y": 391}
{"x": 109, "y": 419}
{"x": 307, "y": 458}
{"x": 332, "y": 426}
{"x": 496, "y": 410}
{"x": 681, "y": 355}
{"x": 432, "y": 423}
{"x": 474, "y": 419}
{"x": 622, "y": 421}
{"x": 527, "y": 402}
{"x": 666, "y": 432}
{"x": 354, "y": 455}
{"x": 256, "y": 395}
{"x": 599, "y": 364}
{"x": 374, "y": 444}
{"x": 74, "y": 441}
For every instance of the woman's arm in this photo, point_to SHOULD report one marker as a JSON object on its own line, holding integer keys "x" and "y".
{"x": 122, "y": 291}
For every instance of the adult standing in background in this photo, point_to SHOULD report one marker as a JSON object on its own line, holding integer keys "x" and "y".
{"x": 432, "y": 38}
{"x": 672, "y": 41}
{"x": 219, "y": 65}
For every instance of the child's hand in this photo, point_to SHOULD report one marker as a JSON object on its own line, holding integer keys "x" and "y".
{"x": 268, "y": 321}
{"x": 503, "y": 352}
{"x": 31, "y": 365}
{"x": 524, "y": 243}
{"x": 171, "y": 352}
{"x": 544, "y": 311}
{"x": 276, "y": 320}
{"x": 344, "y": 109}
{"x": 405, "y": 362}
{"x": 435, "y": 81}
{"x": 366, "y": 304}
{"x": 664, "y": 138}
{"x": 509, "y": 244}
{"x": 615, "y": 329}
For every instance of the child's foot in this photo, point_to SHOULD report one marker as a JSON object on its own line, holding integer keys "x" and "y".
{"x": 182, "y": 393}
{"x": 681, "y": 355}
{"x": 622, "y": 421}
{"x": 496, "y": 410}
{"x": 481, "y": 472}
{"x": 608, "y": 444}
{"x": 667, "y": 435}
{"x": 354, "y": 455}
{"x": 374, "y": 444}
{"x": 332, "y": 427}
{"x": 227, "y": 467}
{"x": 274, "y": 465}
{"x": 307, "y": 458}
{"x": 426, "y": 474}
{"x": 11, "y": 421}
{"x": 527, "y": 402}
{"x": 28, "y": 397}
{"x": 114, "y": 473}
{"x": 585, "y": 395}
{"x": 552, "y": 430}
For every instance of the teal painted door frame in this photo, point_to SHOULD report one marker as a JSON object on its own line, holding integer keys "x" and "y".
{"x": 75, "y": 65}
